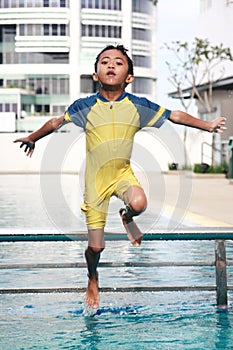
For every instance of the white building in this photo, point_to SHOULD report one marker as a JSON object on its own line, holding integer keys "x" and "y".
{"x": 48, "y": 48}
{"x": 215, "y": 23}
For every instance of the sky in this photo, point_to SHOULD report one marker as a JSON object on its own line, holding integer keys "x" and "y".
{"x": 176, "y": 21}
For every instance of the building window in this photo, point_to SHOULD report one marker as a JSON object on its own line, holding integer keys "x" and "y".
{"x": 142, "y": 85}
{"x": 142, "y": 61}
{"x": 47, "y": 108}
{"x": 7, "y": 35}
{"x": 46, "y": 29}
{"x": 7, "y": 45}
{"x": 42, "y": 86}
{"x": 8, "y": 107}
{"x": 145, "y": 6}
{"x": 62, "y": 3}
{"x": 62, "y": 29}
{"x": 30, "y": 29}
{"x": 7, "y": 50}
{"x": 38, "y": 29}
{"x": 21, "y": 29}
{"x": 102, "y": 4}
{"x": 33, "y": 3}
{"x": 14, "y": 107}
{"x": 101, "y": 31}
{"x": 38, "y": 108}
{"x": 54, "y": 29}
{"x": 63, "y": 86}
{"x": 42, "y": 109}
{"x": 42, "y": 29}
{"x": 141, "y": 34}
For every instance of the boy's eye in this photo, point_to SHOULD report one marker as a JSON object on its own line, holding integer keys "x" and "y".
{"x": 118, "y": 63}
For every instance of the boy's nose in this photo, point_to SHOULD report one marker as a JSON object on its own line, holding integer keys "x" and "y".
{"x": 111, "y": 64}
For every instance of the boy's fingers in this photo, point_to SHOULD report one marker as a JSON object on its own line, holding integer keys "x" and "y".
{"x": 30, "y": 152}
{"x": 29, "y": 146}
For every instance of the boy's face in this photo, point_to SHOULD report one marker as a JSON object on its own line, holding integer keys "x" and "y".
{"x": 112, "y": 69}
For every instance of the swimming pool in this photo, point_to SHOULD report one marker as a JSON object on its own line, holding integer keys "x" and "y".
{"x": 125, "y": 320}
{"x": 139, "y": 320}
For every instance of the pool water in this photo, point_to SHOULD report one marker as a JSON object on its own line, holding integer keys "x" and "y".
{"x": 164, "y": 321}
{"x": 135, "y": 320}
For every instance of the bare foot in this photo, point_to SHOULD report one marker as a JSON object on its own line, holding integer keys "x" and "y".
{"x": 92, "y": 297}
{"x": 133, "y": 232}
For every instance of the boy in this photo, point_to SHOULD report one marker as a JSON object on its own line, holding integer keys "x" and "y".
{"x": 110, "y": 119}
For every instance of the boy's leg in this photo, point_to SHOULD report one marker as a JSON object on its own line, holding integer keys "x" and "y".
{"x": 136, "y": 203}
{"x": 96, "y": 245}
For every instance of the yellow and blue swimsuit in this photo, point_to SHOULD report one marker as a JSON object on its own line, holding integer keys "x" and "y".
{"x": 110, "y": 128}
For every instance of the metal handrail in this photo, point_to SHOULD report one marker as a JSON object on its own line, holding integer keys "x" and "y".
{"x": 209, "y": 145}
{"x": 108, "y": 264}
{"x": 220, "y": 263}
{"x": 134, "y": 289}
{"x": 198, "y": 233}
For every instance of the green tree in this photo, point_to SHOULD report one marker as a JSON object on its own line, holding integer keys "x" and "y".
{"x": 198, "y": 66}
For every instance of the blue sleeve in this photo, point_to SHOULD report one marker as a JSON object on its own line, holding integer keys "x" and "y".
{"x": 78, "y": 110}
{"x": 151, "y": 114}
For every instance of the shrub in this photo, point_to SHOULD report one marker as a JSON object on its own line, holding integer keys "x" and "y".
{"x": 173, "y": 166}
{"x": 205, "y": 168}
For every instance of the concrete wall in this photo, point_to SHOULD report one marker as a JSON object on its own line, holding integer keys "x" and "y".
{"x": 65, "y": 151}
{"x": 52, "y": 154}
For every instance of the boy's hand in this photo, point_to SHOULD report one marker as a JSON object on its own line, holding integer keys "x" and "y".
{"x": 218, "y": 125}
{"x": 29, "y": 145}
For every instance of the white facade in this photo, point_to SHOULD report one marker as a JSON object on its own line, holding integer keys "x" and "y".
{"x": 48, "y": 49}
{"x": 215, "y": 24}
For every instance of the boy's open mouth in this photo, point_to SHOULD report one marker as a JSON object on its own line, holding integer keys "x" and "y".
{"x": 111, "y": 73}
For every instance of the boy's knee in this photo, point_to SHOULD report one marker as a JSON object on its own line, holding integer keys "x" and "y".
{"x": 94, "y": 250}
{"x": 138, "y": 204}
{"x": 136, "y": 199}
{"x": 135, "y": 210}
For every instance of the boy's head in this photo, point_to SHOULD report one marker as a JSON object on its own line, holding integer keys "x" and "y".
{"x": 120, "y": 48}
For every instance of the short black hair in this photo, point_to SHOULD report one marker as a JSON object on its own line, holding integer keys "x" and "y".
{"x": 123, "y": 50}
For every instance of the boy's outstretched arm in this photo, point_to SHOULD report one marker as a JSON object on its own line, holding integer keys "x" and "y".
{"x": 49, "y": 127}
{"x": 216, "y": 125}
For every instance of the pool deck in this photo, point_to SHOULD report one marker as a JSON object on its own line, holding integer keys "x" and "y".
{"x": 211, "y": 199}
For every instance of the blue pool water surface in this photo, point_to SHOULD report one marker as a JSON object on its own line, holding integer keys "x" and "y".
{"x": 125, "y": 320}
